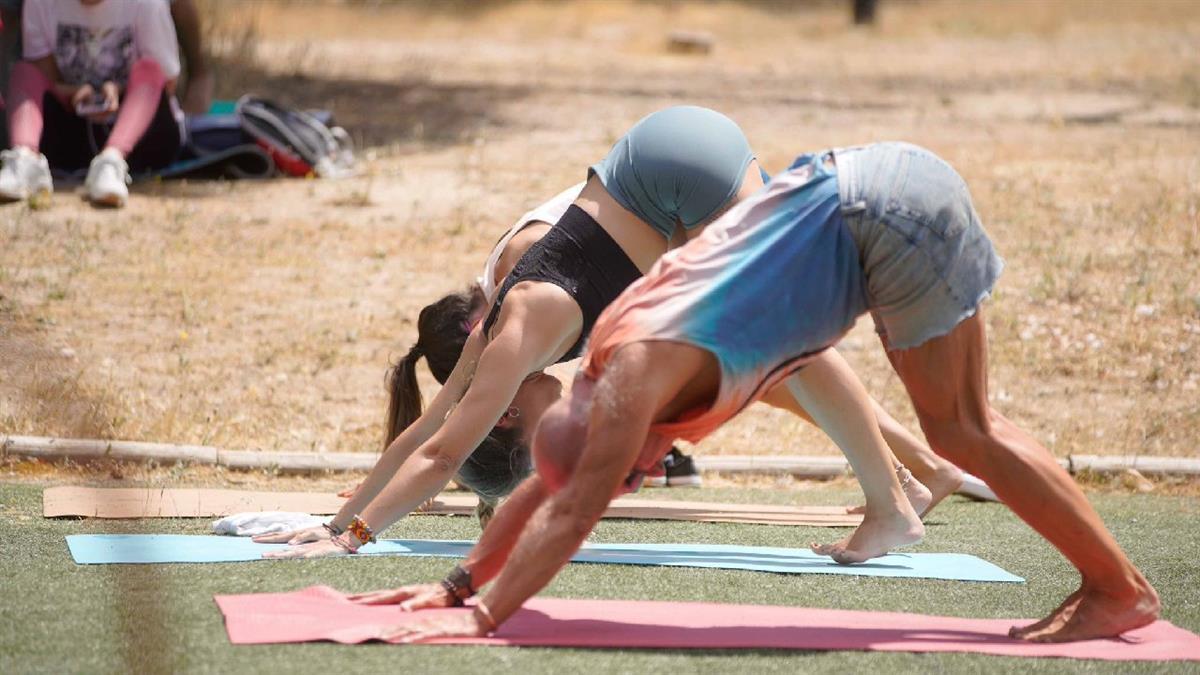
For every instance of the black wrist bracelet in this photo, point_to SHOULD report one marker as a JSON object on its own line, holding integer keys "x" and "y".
{"x": 458, "y": 585}
{"x": 332, "y": 529}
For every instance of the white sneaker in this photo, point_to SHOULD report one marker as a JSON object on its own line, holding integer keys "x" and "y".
{"x": 977, "y": 489}
{"x": 108, "y": 180}
{"x": 25, "y": 174}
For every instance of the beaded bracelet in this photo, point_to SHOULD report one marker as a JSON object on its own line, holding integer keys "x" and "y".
{"x": 343, "y": 542}
{"x": 359, "y": 528}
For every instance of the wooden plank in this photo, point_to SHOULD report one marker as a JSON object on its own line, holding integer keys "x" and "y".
{"x": 200, "y": 503}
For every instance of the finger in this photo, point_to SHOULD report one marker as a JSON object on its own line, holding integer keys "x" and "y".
{"x": 300, "y": 538}
{"x": 280, "y": 555}
{"x": 417, "y": 635}
{"x": 427, "y": 601}
{"x": 272, "y": 538}
{"x": 381, "y": 598}
{"x": 399, "y": 633}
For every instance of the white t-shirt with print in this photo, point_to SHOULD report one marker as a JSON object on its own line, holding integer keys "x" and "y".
{"x": 96, "y": 43}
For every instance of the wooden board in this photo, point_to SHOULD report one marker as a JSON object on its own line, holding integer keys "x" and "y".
{"x": 202, "y": 503}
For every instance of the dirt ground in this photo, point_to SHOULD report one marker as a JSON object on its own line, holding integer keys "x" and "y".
{"x": 263, "y": 314}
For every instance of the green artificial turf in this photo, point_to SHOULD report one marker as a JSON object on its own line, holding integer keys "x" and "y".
{"x": 61, "y": 617}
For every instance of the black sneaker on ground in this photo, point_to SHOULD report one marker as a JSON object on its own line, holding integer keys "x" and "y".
{"x": 681, "y": 470}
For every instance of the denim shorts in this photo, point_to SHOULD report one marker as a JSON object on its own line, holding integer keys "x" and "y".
{"x": 927, "y": 261}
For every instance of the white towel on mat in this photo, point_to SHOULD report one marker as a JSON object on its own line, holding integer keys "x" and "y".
{"x": 264, "y": 522}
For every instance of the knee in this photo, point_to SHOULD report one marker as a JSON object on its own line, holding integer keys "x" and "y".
{"x": 959, "y": 440}
{"x": 147, "y": 71}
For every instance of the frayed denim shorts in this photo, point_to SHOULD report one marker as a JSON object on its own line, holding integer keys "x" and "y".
{"x": 927, "y": 261}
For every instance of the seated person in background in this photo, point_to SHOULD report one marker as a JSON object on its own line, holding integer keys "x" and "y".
{"x": 98, "y": 75}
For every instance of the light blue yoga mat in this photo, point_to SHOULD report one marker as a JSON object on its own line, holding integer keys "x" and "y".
{"x": 99, "y": 549}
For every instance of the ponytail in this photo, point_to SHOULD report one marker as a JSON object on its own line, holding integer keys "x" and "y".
{"x": 404, "y": 396}
{"x": 442, "y": 330}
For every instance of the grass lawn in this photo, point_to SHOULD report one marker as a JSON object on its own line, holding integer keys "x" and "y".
{"x": 60, "y": 617}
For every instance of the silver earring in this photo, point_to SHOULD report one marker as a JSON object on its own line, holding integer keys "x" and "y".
{"x": 513, "y": 412}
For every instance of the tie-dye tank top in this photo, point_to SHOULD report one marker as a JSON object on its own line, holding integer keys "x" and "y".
{"x": 768, "y": 286}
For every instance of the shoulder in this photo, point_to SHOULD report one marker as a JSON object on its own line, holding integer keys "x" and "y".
{"x": 538, "y": 303}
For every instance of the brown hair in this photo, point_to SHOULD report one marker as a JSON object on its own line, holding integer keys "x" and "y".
{"x": 501, "y": 461}
{"x": 442, "y": 330}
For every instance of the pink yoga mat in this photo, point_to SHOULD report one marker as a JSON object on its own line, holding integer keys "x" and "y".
{"x": 321, "y": 613}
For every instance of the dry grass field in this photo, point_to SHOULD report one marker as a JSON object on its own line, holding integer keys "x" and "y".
{"x": 263, "y": 314}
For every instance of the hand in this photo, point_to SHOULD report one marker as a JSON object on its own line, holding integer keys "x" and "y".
{"x": 349, "y": 492}
{"x": 317, "y": 549}
{"x": 458, "y": 625}
{"x": 83, "y": 93}
{"x": 112, "y": 102}
{"x": 410, "y": 598}
{"x": 294, "y": 537}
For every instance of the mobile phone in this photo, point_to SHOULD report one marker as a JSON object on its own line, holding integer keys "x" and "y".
{"x": 93, "y": 105}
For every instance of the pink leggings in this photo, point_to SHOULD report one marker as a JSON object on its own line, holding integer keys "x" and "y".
{"x": 29, "y": 86}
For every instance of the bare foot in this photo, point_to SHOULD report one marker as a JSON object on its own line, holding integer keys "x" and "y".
{"x": 1057, "y": 617}
{"x": 942, "y": 484}
{"x": 919, "y": 496}
{"x": 1091, "y": 613}
{"x": 875, "y": 537}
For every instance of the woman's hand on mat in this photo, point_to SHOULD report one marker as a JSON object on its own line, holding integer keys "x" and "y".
{"x": 458, "y": 625}
{"x": 410, "y": 598}
{"x": 317, "y": 549}
{"x": 294, "y": 537}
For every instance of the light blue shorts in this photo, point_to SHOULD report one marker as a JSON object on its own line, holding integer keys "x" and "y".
{"x": 927, "y": 260}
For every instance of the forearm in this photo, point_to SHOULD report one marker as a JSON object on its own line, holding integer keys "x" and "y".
{"x": 496, "y": 544}
{"x": 187, "y": 30}
{"x": 375, "y": 482}
{"x": 555, "y": 533}
{"x": 422, "y": 476}
{"x": 66, "y": 92}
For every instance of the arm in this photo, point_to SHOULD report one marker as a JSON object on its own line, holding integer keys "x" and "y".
{"x": 559, "y": 525}
{"x": 563, "y": 521}
{"x": 401, "y": 448}
{"x": 198, "y": 96}
{"x": 530, "y": 333}
{"x": 70, "y": 92}
{"x": 484, "y": 561}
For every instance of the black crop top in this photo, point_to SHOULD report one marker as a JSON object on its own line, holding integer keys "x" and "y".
{"x": 578, "y": 256}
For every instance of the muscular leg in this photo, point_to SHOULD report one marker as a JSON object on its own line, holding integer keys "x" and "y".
{"x": 947, "y": 380}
